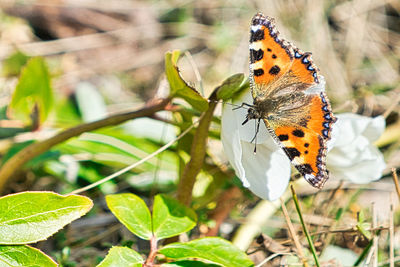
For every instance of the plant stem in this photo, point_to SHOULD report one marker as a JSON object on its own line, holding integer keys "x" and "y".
{"x": 197, "y": 155}
{"x": 18, "y": 160}
{"x": 153, "y": 252}
{"x": 310, "y": 243}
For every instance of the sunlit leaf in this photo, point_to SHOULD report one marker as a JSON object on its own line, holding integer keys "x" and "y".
{"x": 189, "y": 263}
{"x": 122, "y": 256}
{"x": 23, "y": 256}
{"x": 171, "y": 218}
{"x": 132, "y": 212}
{"x": 178, "y": 87}
{"x": 14, "y": 63}
{"x": 33, "y": 93}
{"x": 214, "y": 249}
{"x": 231, "y": 86}
{"x": 29, "y": 217}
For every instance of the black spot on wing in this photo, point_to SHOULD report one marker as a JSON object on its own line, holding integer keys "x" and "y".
{"x": 273, "y": 56}
{"x": 283, "y": 137}
{"x": 274, "y": 70}
{"x": 298, "y": 133}
{"x": 304, "y": 169}
{"x": 256, "y": 55}
{"x": 257, "y": 35}
{"x": 258, "y": 72}
{"x": 292, "y": 152}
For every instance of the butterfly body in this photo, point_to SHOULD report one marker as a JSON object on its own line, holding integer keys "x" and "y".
{"x": 289, "y": 97}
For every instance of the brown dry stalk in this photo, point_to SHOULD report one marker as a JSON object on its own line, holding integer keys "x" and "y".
{"x": 293, "y": 234}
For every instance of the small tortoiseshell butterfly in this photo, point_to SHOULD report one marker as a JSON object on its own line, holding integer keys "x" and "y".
{"x": 289, "y": 97}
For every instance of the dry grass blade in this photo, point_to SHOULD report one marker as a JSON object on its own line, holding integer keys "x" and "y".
{"x": 396, "y": 182}
{"x": 293, "y": 234}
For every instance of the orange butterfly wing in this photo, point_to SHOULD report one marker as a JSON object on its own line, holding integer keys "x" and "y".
{"x": 288, "y": 96}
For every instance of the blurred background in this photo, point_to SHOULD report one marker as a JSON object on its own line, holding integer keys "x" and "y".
{"x": 111, "y": 52}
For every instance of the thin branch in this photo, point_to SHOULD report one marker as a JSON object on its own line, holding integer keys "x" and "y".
{"x": 18, "y": 160}
{"x": 293, "y": 234}
{"x": 396, "y": 182}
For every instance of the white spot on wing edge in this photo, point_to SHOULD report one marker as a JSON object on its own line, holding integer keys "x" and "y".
{"x": 309, "y": 176}
{"x": 255, "y": 45}
{"x": 255, "y": 28}
{"x": 316, "y": 88}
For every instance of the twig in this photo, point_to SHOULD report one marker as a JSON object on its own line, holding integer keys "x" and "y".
{"x": 270, "y": 258}
{"x": 158, "y": 151}
{"x": 396, "y": 182}
{"x": 391, "y": 232}
{"x": 305, "y": 230}
{"x": 35, "y": 149}
{"x": 293, "y": 234}
{"x": 375, "y": 237}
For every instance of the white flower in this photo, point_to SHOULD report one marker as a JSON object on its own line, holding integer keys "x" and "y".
{"x": 353, "y": 156}
{"x": 267, "y": 173}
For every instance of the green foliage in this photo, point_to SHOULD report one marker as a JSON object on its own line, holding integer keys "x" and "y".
{"x": 170, "y": 217}
{"x": 178, "y": 87}
{"x": 24, "y": 256}
{"x": 13, "y": 64}
{"x": 122, "y": 256}
{"x": 29, "y": 217}
{"x": 231, "y": 86}
{"x": 132, "y": 212}
{"x": 214, "y": 249}
{"x": 33, "y": 97}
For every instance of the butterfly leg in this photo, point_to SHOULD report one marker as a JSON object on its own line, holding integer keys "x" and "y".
{"x": 243, "y": 105}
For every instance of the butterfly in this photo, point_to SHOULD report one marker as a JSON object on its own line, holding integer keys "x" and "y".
{"x": 289, "y": 97}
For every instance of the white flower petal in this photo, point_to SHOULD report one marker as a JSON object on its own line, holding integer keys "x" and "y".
{"x": 230, "y": 138}
{"x": 268, "y": 171}
{"x": 353, "y": 157}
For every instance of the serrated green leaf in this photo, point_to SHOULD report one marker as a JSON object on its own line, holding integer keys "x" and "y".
{"x": 178, "y": 87}
{"x": 189, "y": 263}
{"x": 23, "y": 256}
{"x": 231, "y": 86}
{"x": 33, "y": 93}
{"x": 171, "y": 218}
{"x": 122, "y": 256}
{"x": 132, "y": 212}
{"x": 214, "y": 249}
{"x": 29, "y": 217}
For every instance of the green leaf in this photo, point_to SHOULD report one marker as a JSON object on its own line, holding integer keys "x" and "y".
{"x": 122, "y": 256}
{"x": 189, "y": 263}
{"x": 29, "y": 217}
{"x": 171, "y": 218}
{"x": 24, "y": 256}
{"x": 178, "y": 87}
{"x": 231, "y": 86}
{"x": 33, "y": 93}
{"x": 132, "y": 212}
{"x": 214, "y": 249}
{"x": 13, "y": 64}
